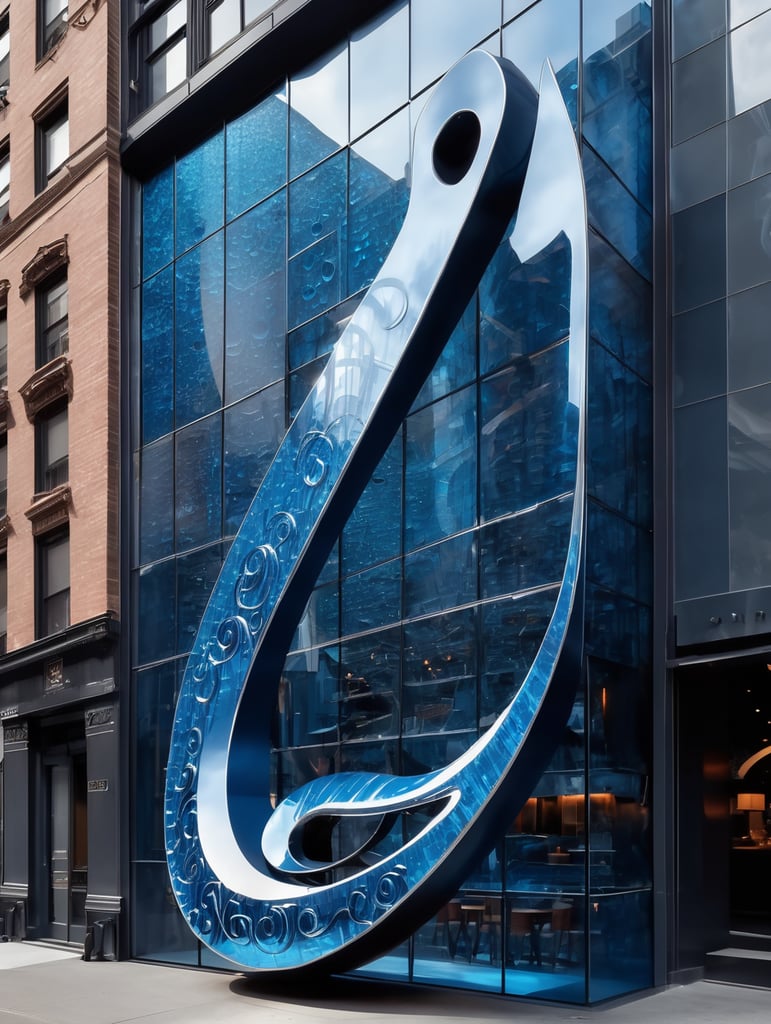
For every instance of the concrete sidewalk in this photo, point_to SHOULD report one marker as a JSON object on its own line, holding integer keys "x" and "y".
{"x": 39, "y": 985}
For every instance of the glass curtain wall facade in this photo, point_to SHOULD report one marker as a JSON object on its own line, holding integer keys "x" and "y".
{"x": 256, "y": 245}
{"x": 720, "y": 187}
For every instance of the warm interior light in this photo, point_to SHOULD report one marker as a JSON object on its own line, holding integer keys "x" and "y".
{"x": 750, "y": 802}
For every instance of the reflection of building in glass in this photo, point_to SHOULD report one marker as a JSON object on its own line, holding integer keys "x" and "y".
{"x": 264, "y": 193}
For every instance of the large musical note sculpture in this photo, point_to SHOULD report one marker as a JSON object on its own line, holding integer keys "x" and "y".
{"x": 251, "y": 881}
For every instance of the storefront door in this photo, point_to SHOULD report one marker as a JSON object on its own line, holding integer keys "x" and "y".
{"x": 67, "y": 842}
{"x": 724, "y": 829}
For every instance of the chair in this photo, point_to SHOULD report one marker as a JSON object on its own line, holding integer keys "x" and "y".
{"x": 561, "y": 919}
{"x": 519, "y": 931}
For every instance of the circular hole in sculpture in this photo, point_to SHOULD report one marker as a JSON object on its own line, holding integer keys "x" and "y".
{"x": 456, "y": 146}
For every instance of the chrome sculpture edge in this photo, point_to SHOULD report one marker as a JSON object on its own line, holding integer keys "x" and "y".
{"x": 238, "y": 869}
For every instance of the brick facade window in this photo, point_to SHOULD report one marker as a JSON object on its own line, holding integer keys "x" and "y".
{"x": 52, "y": 24}
{"x": 53, "y": 593}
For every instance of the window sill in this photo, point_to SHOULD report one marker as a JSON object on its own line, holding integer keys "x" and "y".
{"x": 47, "y": 385}
{"x": 50, "y": 509}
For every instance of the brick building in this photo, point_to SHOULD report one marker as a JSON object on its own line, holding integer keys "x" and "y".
{"x": 60, "y": 196}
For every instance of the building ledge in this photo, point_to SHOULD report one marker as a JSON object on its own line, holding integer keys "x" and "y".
{"x": 46, "y": 260}
{"x": 102, "y": 628}
{"x": 47, "y": 385}
{"x": 50, "y": 509}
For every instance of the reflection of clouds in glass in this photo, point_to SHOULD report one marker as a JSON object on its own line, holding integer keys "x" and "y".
{"x": 749, "y": 70}
{"x": 604, "y": 23}
{"x": 387, "y": 148}
{"x": 740, "y": 11}
{"x": 547, "y": 30}
{"x": 443, "y": 30}
{"x": 319, "y": 95}
{"x": 379, "y": 69}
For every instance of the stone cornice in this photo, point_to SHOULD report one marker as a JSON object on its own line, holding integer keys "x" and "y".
{"x": 47, "y": 385}
{"x": 46, "y": 260}
{"x": 50, "y": 509}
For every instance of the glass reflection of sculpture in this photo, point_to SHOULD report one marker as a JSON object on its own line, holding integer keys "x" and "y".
{"x": 262, "y": 887}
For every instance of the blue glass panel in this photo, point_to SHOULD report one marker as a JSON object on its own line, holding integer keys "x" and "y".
{"x": 157, "y": 356}
{"x": 255, "y": 310}
{"x": 318, "y": 336}
{"x": 441, "y": 469}
{"x": 523, "y": 307}
{"x": 701, "y": 496}
{"x": 621, "y": 955}
{"x": 617, "y": 628}
{"x": 253, "y": 432}
{"x": 317, "y": 203}
{"x": 441, "y": 576}
{"x": 196, "y": 575}
{"x": 301, "y": 382}
{"x": 296, "y": 767}
{"x": 256, "y": 154}
{"x": 749, "y": 487}
{"x": 619, "y": 554}
{"x": 369, "y": 692}
{"x": 443, "y": 30}
{"x": 427, "y": 753}
{"x": 373, "y": 531}
{"x": 158, "y": 222}
{"x": 439, "y": 693}
{"x": 620, "y": 308}
{"x": 620, "y": 746}
{"x": 160, "y": 932}
{"x": 614, "y": 212}
{"x": 200, "y": 192}
{"x": 549, "y": 29}
{"x": 316, "y": 278}
{"x": 378, "y": 197}
{"x": 528, "y": 435}
{"x": 619, "y": 437}
{"x": 318, "y": 111}
{"x": 156, "y": 501}
{"x": 699, "y": 230}
{"x": 372, "y": 598}
{"x": 198, "y": 483}
{"x": 699, "y": 353}
{"x": 617, "y": 90}
{"x": 457, "y": 363}
{"x": 749, "y": 234}
{"x": 379, "y": 68}
{"x": 369, "y": 757}
{"x": 321, "y": 622}
{"x": 308, "y": 708}
{"x": 198, "y": 330}
{"x": 157, "y": 612}
{"x": 511, "y": 632}
{"x": 154, "y": 696}
{"x": 525, "y": 551}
